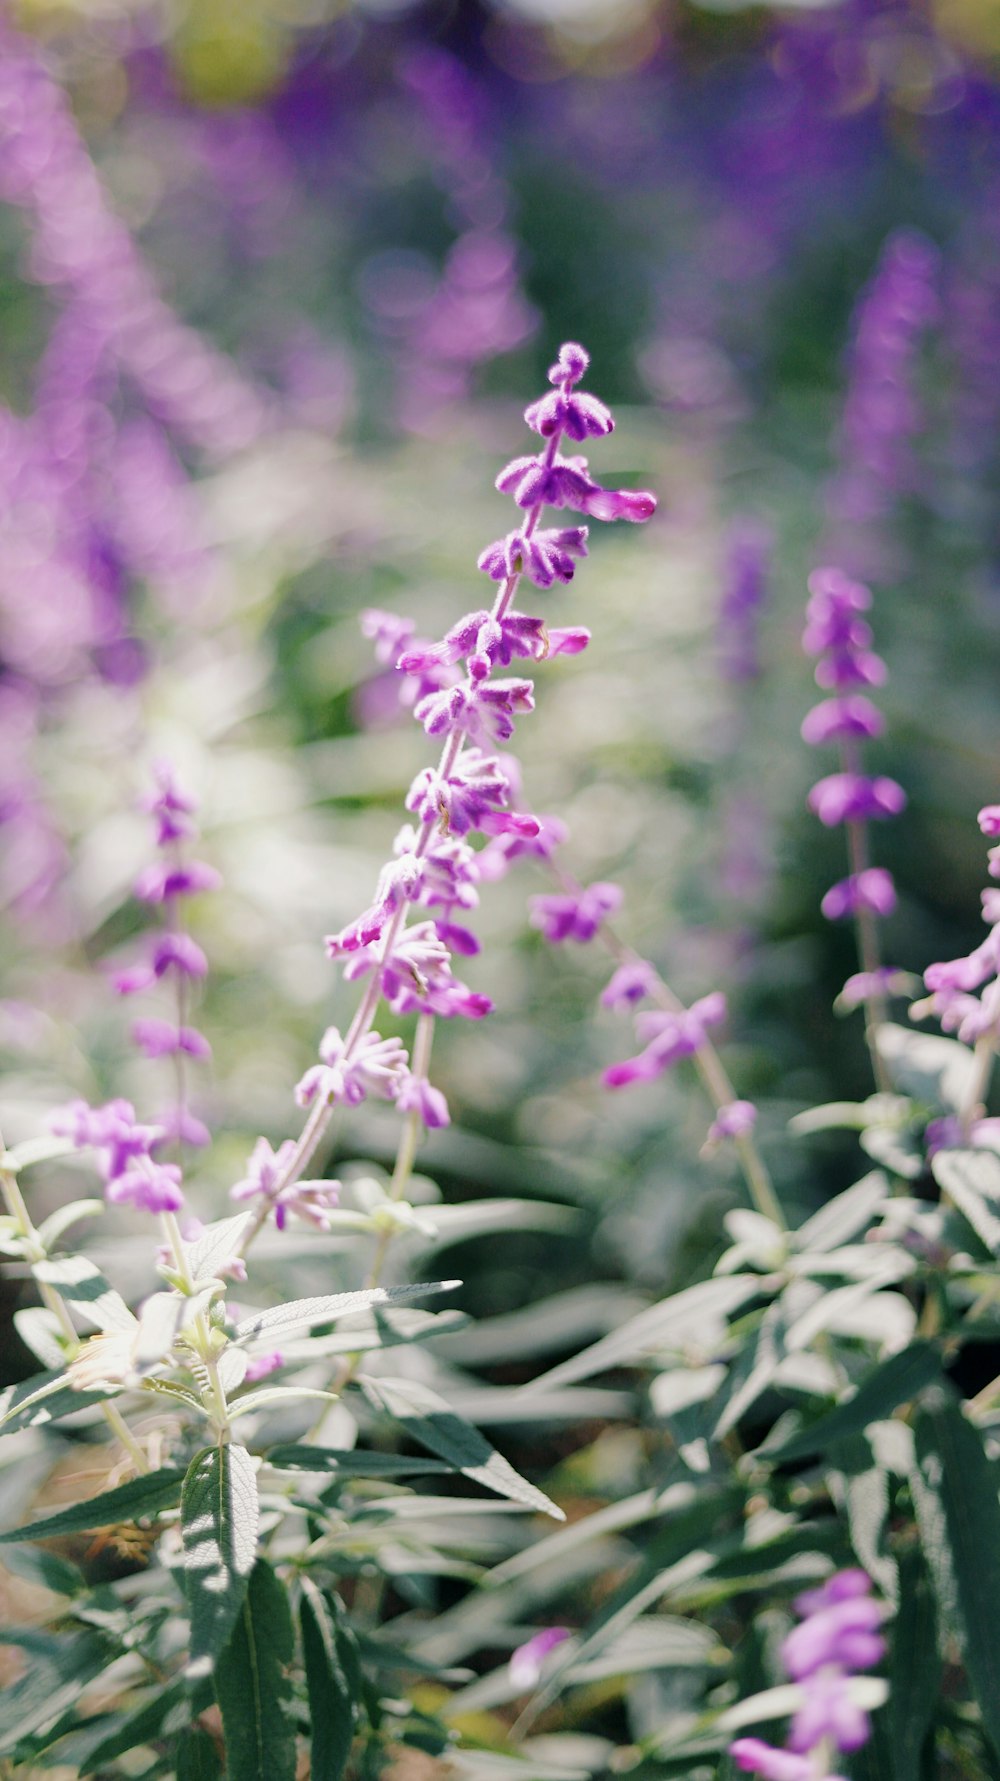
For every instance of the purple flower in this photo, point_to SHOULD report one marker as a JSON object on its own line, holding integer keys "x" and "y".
{"x": 571, "y": 412}
{"x": 566, "y": 482}
{"x": 527, "y": 1660}
{"x": 377, "y": 1067}
{"x": 162, "y": 881}
{"x": 161, "y": 1038}
{"x": 837, "y": 1636}
{"x": 398, "y": 883}
{"x": 872, "y": 889}
{"x": 755, "y": 1757}
{"x": 575, "y": 915}
{"x": 260, "y": 1365}
{"x": 670, "y": 1036}
{"x": 484, "y": 712}
{"x": 171, "y": 807}
{"x": 745, "y": 587}
{"x": 389, "y": 633}
{"x": 864, "y": 985}
{"x": 831, "y": 721}
{"x": 460, "y": 800}
{"x": 147, "y": 1185}
{"x": 735, "y": 1120}
{"x": 854, "y": 797}
{"x": 989, "y": 820}
{"x": 267, "y": 1169}
{"x": 419, "y": 1096}
{"x": 631, "y": 983}
{"x": 544, "y": 556}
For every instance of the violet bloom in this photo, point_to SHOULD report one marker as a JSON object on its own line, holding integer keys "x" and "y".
{"x": 267, "y": 1179}
{"x": 671, "y": 1036}
{"x": 527, "y": 1660}
{"x": 375, "y": 1067}
{"x": 953, "y": 982}
{"x": 575, "y": 915}
{"x": 837, "y": 1636}
{"x": 124, "y": 1159}
{"x": 735, "y": 1120}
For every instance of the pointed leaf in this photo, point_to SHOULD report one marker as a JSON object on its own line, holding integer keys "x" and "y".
{"x": 252, "y": 1685}
{"x": 955, "y": 1494}
{"x": 303, "y": 1313}
{"x": 896, "y": 1381}
{"x": 219, "y": 1516}
{"x": 197, "y": 1757}
{"x": 915, "y": 1676}
{"x": 675, "y": 1320}
{"x": 351, "y": 1463}
{"x": 44, "y": 1398}
{"x": 85, "y": 1289}
{"x": 430, "y": 1422}
{"x": 216, "y": 1245}
{"x": 126, "y": 1502}
{"x": 59, "y": 1221}
{"x": 34, "y": 1150}
{"x": 168, "y": 1711}
{"x": 333, "y": 1706}
{"x": 971, "y": 1179}
{"x": 40, "y": 1330}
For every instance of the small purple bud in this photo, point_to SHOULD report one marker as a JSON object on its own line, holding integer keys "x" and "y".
{"x": 853, "y": 797}
{"x": 872, "y": 890}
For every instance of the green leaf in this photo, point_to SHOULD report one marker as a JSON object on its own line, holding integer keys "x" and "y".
{"x": 36, "y": 1565}
{"x": 845, "y": 1215}
{"x": 219, "y": 1514}
{"x": 197, "y": 1757}
{"x": 676, "y": 1321}
{"x": 40, "y": 1330}
{"x": 216, "y": 1245}
{"x": 169, "y": 1711}
{"x": 915, "y": 1674}
{"x": 896, "y": 1381}
{"x": 351, "y": 1463}
{"x": 85, "y": 1289}
{"x": 955, "y": 1494}
{"x": 934, "y": 1070}
{"x": 252, "y": 1685}
{"x": 971, "y": 1179}
{"x": 333, "y": 1704}
{"x": 127, "y": 1502}
{"x": 52, "y": 1683}
{"x": 44, "y": 1398}
{"x": 303, "y": 1313}
{"x": 60, "y": 1221}
{"x": 34, "y": 1150}
{"x": 430, "y": 1422}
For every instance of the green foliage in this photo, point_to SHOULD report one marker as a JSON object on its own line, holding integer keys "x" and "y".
{"x": 219, "y": 1516}
{"x": 252, "y": 1684}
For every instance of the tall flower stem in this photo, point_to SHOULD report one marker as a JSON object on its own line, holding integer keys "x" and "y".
{"x": 712, "y": 1072}
{"x": 866, "y": 932}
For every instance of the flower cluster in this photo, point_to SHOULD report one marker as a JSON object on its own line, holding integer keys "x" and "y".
{"x": 953, "y": 982}
{"x": 171, "y": 953}
{"x": 124, "y": 1148}
{"x": 472, "y": 792}
{"x": 841, "y": 638}
{"x": 838, "y": 1636}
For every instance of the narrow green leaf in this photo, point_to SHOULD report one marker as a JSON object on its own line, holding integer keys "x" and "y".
{"x": 127, "y": 1502}
{"x": 333, "y": 1705}
{"x": 219, "y": 1514}
{"x": 169, "y": 1711}
{"x": 60, "y": 1221}
{"x": 84, "y": 1288}
{"x": 896, "y": 1381}
{"x": 44, "y": 1398}
{"x": 915, "y": 1677}
{"x": 955, "y": 1494}
{"x": 676, "y": 1320}
{"x": 303, "y": 1313}
{"x": 197, "y": 1757}
{"x": 932, "y": 1069}
{"x": 34, "y": 1150}
{"x": 51, "y": 1684}
{"x": 430, "y": 1422}
{"x": 352, "y": 1463}
{"x": 971, "y": 1179}
{"x": 252, "y": 1685}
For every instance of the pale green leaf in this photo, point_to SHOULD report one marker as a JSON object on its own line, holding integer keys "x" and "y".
{"x": 219, "y": 1515}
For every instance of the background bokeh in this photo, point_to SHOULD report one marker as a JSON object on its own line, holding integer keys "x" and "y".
{"x": 275, "y": 282}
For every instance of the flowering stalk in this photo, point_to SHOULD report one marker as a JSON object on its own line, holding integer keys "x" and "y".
{"x": 672, "y": 1032}
{"x": 837, "y": 1636}
{"x": 841, "y": 638}
{"x": 471, "y": 790}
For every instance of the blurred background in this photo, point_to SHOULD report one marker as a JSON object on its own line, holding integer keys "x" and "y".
{"x": 276, "y": 281}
